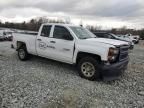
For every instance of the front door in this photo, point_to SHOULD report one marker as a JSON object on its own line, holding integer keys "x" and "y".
{"x": 63, "y": 42}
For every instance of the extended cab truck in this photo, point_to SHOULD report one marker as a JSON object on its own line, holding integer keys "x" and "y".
{"x": 94, "y": 57}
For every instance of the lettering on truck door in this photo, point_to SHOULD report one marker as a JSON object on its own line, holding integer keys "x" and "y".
{"x": 63, "y": 43}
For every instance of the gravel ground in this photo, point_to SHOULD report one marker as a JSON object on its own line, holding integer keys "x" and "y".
{"x": 43, "y": 83}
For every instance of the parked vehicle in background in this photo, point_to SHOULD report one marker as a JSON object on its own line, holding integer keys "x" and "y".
{"x": 135, "y": 38}
{"x": 115, "y": 37}
{"x": 94, "y": 57}
{"x": 126, "y": 38}
{"x": 8, "y": 35}
{"x": 2, "y": 38}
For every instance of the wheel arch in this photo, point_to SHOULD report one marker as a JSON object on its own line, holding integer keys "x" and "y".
{"x": 20, "y": 44}
{"x": 80, "y": 55}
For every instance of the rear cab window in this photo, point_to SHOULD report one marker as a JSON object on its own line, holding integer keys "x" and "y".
{"x": 46, "y": 30}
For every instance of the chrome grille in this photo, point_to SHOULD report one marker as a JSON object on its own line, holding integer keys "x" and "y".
{"x": 123, "y": 53}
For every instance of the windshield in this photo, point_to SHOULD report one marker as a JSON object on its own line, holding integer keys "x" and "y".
{"x": 82, "y": 33}
{"x": 113, "y": 35}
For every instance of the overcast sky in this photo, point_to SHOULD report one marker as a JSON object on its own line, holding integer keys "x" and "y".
{"x": 107, "y": 13}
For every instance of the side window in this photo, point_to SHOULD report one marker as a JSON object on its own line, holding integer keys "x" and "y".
{"x": 110, "y": 36}
{"x": 101, "y": 35}
{"x": 62, "y": 33}
{"x": 46, "y": 30}
{"x": 106, "y": 36}
{"x": 97, "y": 34}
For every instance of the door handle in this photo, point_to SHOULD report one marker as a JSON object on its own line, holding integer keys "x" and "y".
{"x": 52, "y": 42}
{"x": 65, "y": 49}
{"x": 39, "y": 39}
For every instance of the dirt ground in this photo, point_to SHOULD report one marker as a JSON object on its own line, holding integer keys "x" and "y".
{"x": 43, "y": 83}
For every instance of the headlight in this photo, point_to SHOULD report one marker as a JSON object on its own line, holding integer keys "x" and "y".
{"x": 113, "y": 52}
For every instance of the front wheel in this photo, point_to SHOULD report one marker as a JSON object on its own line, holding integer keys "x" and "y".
{"x": 88, "y": 68}
{"x": 22, "y": 53}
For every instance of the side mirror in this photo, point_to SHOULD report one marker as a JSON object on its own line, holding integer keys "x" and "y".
{"x": 67, "y": 37}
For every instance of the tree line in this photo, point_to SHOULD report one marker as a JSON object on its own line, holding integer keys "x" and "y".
{"x": 35, "y": 23}
{"x": 119, "y": 31}
{"x": 32, "y": 25}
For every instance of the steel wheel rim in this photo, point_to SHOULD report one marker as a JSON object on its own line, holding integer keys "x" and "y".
{"x": 88, "y": 69}
{"x": 21, "y": 53}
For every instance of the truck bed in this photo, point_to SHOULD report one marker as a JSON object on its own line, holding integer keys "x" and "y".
{"x": 28, "y": 38}
{"x": 28, "y": 33}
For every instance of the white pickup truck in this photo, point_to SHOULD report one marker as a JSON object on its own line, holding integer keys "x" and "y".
{"x": 94, "y": 57}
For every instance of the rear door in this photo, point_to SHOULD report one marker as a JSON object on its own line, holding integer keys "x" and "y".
{"x": 63, "y": 43}
{"x": 43, "y": 42}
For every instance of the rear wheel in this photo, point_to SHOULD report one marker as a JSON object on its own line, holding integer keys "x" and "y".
{"x": 22, "y": 53}
{"x": 88, "y": 68}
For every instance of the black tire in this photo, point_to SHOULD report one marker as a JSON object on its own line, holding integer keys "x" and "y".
{"x": 23, "y": 50}
{"x": 136, "y": 42}
{"x": 93, "y": 61}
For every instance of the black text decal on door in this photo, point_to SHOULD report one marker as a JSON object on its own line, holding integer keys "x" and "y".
{"x": 42, "y": 45}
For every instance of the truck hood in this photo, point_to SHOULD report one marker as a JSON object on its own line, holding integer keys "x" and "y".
{"x": 108, "y": 41}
